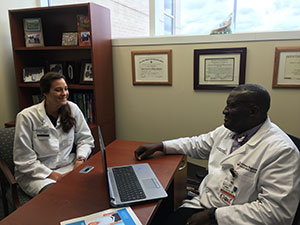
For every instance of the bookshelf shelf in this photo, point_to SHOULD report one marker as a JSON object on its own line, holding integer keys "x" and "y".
{"x": 53, "y": 48}
{"x": 70, "y": 86}
{"x": 55, "y": 21}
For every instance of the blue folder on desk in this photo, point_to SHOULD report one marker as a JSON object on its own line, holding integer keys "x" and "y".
{"x": 129, "y": 184}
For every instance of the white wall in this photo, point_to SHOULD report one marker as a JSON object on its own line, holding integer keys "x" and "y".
{"x": 9, "y": 101}
{"x": 124, "y": 15}
{"x": 155, "y": 113}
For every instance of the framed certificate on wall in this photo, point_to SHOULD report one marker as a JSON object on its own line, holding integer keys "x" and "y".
{"x": 219, "y": 68}
{"x": 153, "y": 67}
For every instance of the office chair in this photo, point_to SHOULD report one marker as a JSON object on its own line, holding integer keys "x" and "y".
{"x": 297, "y": 216}
{"x": 12, "y": 195}
{"x": 202, "y": 173}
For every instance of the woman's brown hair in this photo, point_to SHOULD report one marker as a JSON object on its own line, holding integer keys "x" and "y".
{"x": 67, "y": 121}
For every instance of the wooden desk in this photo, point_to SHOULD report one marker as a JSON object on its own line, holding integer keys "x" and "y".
{"x": 80, "y": 194}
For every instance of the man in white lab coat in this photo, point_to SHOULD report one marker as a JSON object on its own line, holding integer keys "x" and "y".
{"x": 253, "y": 167}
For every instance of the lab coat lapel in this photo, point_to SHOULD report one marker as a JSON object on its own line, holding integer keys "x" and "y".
{"x": 237, "y": 153}
{"x": 250, "y": 144}
{"x": 260, "y": 134}
{"x": 44, "y": 119}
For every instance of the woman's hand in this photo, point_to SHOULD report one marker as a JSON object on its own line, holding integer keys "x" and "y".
{"x": 78, "y": 163}
{"x": 56, "y": 176}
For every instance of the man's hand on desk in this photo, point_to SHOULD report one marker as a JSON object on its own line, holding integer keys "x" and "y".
{"x": 147, "y": 150}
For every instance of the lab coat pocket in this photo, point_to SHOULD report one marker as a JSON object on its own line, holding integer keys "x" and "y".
{"x": 44, "y": 145}
{"x": 66, "y": 140}
{"x": 245, "y": 182}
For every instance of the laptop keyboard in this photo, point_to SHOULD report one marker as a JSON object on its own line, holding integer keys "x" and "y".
{"x": 128, "y": 184}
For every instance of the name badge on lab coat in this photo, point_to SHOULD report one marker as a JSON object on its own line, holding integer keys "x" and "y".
{"x": 228, "y": 191}
{"x": 43, "y": 133}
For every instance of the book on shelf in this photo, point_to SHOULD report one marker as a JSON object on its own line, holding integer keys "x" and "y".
{"x": 85, "y": 103}
{"x": 36, "y": 99}
{"x": 88, "y": 111}
{"x": 120, "y": 216}
{"x": 83, "y": 29}
{"x": 79, "y": 101}
{"x": 33, "y": 32}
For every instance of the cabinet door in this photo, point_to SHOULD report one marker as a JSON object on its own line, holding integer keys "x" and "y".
{"x": 180, "y": 177}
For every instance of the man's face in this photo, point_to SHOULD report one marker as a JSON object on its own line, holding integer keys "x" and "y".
{"x": 237, "y": 112}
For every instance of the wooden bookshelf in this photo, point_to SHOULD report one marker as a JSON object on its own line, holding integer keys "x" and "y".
{"x": 57, "y": 20}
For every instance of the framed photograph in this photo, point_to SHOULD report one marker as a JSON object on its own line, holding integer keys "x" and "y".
{"x": 83, "y": 28}
{"x": 58, "y": 67}
{"x": 71, "y": 72}
{"x": 87, "y": 73}
{"x": 32, "y": 74}
{"x": 70, "y": 39}
{"x": 153, "y": 67}
{"x": 219, "y": 68}
{"x": 32, "y": 24}
{"x": 286, "y": 67}
{"x": 34, "y": 39}
{"x": 33, "y": 32}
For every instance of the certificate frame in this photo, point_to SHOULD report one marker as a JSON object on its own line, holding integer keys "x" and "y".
{"x": 286, "y": 72}
{"x": 209, "y": 65}
{"x": 152, "y": 67}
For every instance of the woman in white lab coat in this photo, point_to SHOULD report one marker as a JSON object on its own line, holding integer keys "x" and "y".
{"x": 45, "y": 135}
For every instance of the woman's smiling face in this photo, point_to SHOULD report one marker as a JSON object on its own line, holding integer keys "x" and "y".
{"x": 58, "y": 93}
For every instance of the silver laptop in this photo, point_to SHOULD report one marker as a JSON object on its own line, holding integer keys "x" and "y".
{"x": 123, "y": 189}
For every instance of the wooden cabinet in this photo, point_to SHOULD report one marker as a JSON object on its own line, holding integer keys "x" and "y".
{"x": 57, "y": 20}
{"x": 180, "y": 177}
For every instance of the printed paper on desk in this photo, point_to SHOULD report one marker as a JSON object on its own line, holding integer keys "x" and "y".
{"x": 120, "y": 216}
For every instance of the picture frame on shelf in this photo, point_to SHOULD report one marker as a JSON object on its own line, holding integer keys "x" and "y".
{"x": 83, "y": 29}
{"x": 33, "y": 32}
{"x": 219, "y": 68}
{"x": 70, "y": 39}
{"x": 32, "y": 74}
{"x": 71, "y": 72}
{"x": 58, "y": 67}
{"x": 286, "y": 67}
{"x": 86, "y": 73}
{"x": 85, "y": 38}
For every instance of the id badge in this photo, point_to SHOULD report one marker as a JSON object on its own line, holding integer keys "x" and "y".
{"x": 43, "y": 133}
{"x": 228, "y": 191}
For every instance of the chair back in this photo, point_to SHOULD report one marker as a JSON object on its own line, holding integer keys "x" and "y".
{"x": 295, "y": 140}
{"x": 6, "y": 146}
{"x": 297, "y": 216}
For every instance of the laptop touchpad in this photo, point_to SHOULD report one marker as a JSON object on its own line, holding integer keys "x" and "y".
{"x": 150, "y": 183}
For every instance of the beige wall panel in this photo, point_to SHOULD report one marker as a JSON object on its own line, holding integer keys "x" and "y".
{"x": 155, "y": 113}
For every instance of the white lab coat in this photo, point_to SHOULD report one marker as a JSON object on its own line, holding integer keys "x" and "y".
{"x": 266, "y": 175}
{"x": 40, "y": 148}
